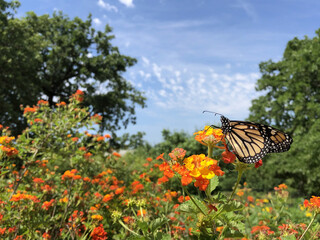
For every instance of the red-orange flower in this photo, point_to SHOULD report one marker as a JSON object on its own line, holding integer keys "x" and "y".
{"x": 46, "y": 236}
{"x": 38, "y": 180}
{"x": 47, "y": 204}
{"x": 107, "y": 136}
{"x": 98, "y": 233}
{"x": 160, "y": 156}
{"x": 43, "y": 102}
{"x": 116, "y": 154}
{"x": 78, "y": 96}
{"x": 61, "y": 104}
{"x": 228, "y": 157}
{"x": 96, "y": 118}
{"x": 107, "y": 197}
{"x": 30, "y": 110}
{"x": 313, "y": 205}
{"x": 281, "y": 187}
{"x": 258, "y": 164}
{"x": 262, "y": 228}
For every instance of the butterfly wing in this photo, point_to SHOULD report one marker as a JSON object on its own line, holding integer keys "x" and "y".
{"x": 251, "y": 141}
{"x": 247, "y": 140}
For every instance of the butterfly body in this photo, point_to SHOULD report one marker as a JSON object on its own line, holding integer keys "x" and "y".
{"x": 252, "y": 141}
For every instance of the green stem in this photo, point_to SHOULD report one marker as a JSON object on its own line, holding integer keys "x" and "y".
{"x": 240, "y": 172}
{"x": 308, "y": 226}
{"x": 126, "y": 227}
{"x": 192, "y": 199}
{"x": 210, "y": 151}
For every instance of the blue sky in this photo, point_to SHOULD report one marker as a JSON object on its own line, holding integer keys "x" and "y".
{"x": 193, "y": 55}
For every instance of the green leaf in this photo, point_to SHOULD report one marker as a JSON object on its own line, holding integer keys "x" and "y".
{"x": 143, "y": 226}
{"x": 233, "y": 206}
{"x": 134, "y": 237}
{"x": 199, "y": 205}
{"x": 187, "y": 207}
{"x": 290, "y": 237}
{"x": 156, "y": 223}
{"x": 214, "y": 182}
{"x": 162, "y": 236}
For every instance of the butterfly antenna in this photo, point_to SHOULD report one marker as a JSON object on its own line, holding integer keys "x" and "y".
{"x": 215, "y": 113}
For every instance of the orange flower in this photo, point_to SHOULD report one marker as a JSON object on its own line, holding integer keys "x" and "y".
{"x": 20, "y": 196}
{"x": 74, "y": 139}
{"x": 43, "y": 102}
{"x": 313, "y": 205}
{"x": 136, "y": 186}
{"x": 219, "y": 229}
{"x": 186, "y": 179}
{"x": 107, "y": 197}
{"x": 87, "y": 155}
{"x": 149, "y": 159}
{"x": 250, "y": 199}
{"x": 163, "y": 180}
{"x": 201, "y": 183}
{"x": 46, "y": 236}
{"x": 38, "y": 120}
{"x": 10, "y": 151}
{"x": 168, "y": 173}
{"x": 96, "y": 118}
{"x": 2, "y": 231}
{"x": 209, "y": 136}
{"x": 160, "y": 156}
{"x": 61, "y": 104}
{"x": 100, "y": 138}
{"x": 107, "y": 136}
{"x": 119, "y": 190}
{"x": 262, "y": 228}
{"x": 97, "y": 217}
{"x": 141, "y": 212}
{"x": 128, "y": 219}
{"x": 38, "y": 180}
{"x": 78, "y": 96}
{"x": 30, "y": 110}
{"x": 71, "y": 174}
{"x": 46, "y": 205}
{"x": 281, "y": 187}
{"x": 240, "y": 193}
{"x": 98, "y": 233}
{"x": 116, "y": 154}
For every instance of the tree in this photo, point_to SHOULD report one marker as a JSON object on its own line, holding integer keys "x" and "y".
{"x": 51, "y": 57}
{"x": 291, "y": 87}
{"x": 291, "y": 102}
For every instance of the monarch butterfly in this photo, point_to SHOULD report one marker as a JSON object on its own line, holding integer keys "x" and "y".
{"x": 252, "y": 141}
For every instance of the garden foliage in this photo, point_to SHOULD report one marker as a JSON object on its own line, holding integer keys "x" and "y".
{"x": 60, "y": 180}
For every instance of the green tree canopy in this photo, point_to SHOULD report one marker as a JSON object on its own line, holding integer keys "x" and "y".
{"x": 291, "y": 102}
{"x": 51, "y": 57}
{"x": 291, "y": 87}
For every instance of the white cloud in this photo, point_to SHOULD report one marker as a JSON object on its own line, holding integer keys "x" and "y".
{"x": 145, "y": 60}
{"x": 107, "y": 6}
{"x": 248, "y": 8}
{"x": 193, "y": 91}
{"x": 128, "y": 3}
{"x": 97, "y": 21}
